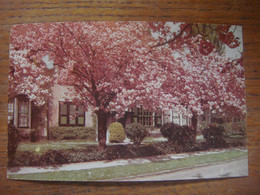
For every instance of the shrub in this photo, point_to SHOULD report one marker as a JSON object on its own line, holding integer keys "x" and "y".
{"x": 26, "y": 158}
{"x": 90, "y": 153}
{"x": 236, "y": 127}
{"x": 53, "y": 157}
{"x": 153, "y": 149}
{"x": 167, "y": 131}
{"x": 116, "y": 152}
{"x": 61, "y": 133}
{"x": 34, "y": 135}
{"x": 116, "y": 132}
{"x": 183, "y": 137}
{"x": 13, "y": 140}
{"x": 136, "y": 132}
{"x": 200, "y": 146}
{"x": 214, "y": 136}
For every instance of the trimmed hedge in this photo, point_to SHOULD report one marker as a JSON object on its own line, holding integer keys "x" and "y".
{"x": 63, "y": 133}
{"x": 183, "y": 137}
{"x": 214, "y": 136}
{"x": 136, "y": 132}
{"x": 116, "y": 132}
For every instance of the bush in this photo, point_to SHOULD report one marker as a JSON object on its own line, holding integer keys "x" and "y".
{"x": 63, "y": 133}
{"x": 155, "y": 149}
{"x": 116, "y": 132}
{"x": 167, "y": 131}
{"x": 53, "y": 157}
{"x": 34, "y": 135}
{"x": 136, "y": 132}
{"x": 26, "y": 158}
{"x": 91, "y": 153}
{"x": 183, "y": 137}
{"x": 116, "y": 152}
{"x": 14, "y": 139}
{"x": 214, "y": 136}
{"x": 87, "y": 154}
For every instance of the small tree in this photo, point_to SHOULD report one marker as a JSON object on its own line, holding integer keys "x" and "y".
{"x": 136, "y": 132}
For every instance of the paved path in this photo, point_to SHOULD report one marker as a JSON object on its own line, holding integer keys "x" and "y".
{"x": 234, "y": 168}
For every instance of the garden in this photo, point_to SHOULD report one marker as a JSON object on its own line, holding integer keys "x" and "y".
{"x": 73, "y": 145}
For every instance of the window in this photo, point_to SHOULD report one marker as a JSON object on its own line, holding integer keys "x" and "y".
{"x": 23, "y": 112}
{"x": 10, "y": 110}
{"x": 71, "y": 115}
{"x": 175, "y": 118}
{"x": 143, "y": 116}
{"x": 184, "y": 120}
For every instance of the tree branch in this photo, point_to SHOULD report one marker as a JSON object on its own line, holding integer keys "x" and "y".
{"x": 175, "y": 38}
{"x": 77, "y": 41}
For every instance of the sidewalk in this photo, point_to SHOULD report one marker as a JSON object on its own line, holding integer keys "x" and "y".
{"x": 103, "y": 164}
{"x": 230, "y": 168}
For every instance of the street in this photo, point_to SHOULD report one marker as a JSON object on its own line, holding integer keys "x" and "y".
{"x": 234, "y": 168}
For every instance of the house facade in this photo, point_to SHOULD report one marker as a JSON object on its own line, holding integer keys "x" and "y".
{"x": 153, "y": 119}
{"x": 63, "y": 113}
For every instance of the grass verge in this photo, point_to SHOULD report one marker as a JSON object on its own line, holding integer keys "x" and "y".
{"x": 130, "y": 170}
{"x": 44, "y": 146}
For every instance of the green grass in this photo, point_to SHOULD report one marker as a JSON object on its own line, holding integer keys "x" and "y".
{"x": 152, "y": 139}
{"x": 44, "y": 146}
{"x": 130, "y": 170}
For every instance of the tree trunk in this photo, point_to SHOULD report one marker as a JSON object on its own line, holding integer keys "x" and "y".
{"x": 194, "y": 121}
{"x": 208, "y": 117}
{"x": 102, "y": 129}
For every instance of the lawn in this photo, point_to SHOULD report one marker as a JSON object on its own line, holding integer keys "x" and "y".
{"x": 114, "y": 172}
{"x": 59, "y": 145}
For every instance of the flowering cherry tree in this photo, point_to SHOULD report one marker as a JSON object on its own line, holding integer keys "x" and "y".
{"x": 207, "y": 36}
{"x": 28, "y": 78}
{"x": 118, "y": 65}
{"x": 106, "y": 62}
{"x": 204, "y": 76}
